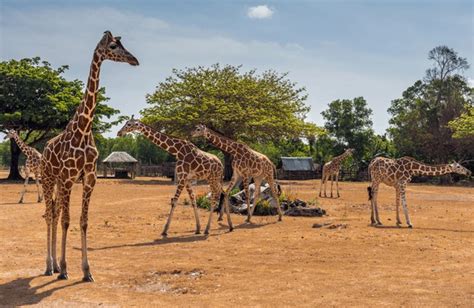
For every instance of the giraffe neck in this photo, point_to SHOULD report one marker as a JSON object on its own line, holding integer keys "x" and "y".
{"x": 423, "y": 169}
{"x": 21, "y": 144}
{"x": 221, "y": 142}
{"x": 167, "y": 143}
{"x": 85, "y": 111}
{"x": 340, "y": 158}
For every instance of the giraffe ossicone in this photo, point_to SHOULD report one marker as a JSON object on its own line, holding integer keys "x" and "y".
{"x": 398, "y": 173}
{"x": 72, "y": 155}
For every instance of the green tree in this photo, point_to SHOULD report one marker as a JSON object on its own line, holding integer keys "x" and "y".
{"x": 420, "y": 119}
{"x": 246, "y": 106}
{"x": 37, "y": 101}
{"x": 348, "y": 123}
{"x": 463, "y": 126}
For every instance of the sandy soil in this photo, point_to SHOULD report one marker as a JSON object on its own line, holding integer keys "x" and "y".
{"x": 262, "y": 264}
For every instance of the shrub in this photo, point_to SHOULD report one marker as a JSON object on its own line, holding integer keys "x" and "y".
{"x": 203, "y": 202}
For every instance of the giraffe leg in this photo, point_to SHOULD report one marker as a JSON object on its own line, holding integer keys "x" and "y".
{"x": 274, "y": 189}
{"x": 404, "y": 204}
{"x": 40, "y": 197}
{"x": 25, "y": 184}
{"x": 373, "y": 201}
{"x": 376, "y": 208}
{"x": 326, "y": 178}
{"x": 397, "y": 205}
{"x": 64, "y": 195}
{"x": 321, "y": 185}
{"x": 174, "y": 201}
{"x": 245, "y": 181}
{"x": 88, "y": 180}
{"x": 193, "y": 202}
{"x": 337, "y": 184}
{"x": 332, "y": 182}
{"x": 215, "y": 194}
{"x": 54, "y": 235}
{"x": 48, "y": 188}
{"x": 256, "y": 194}
{"x": 232, "y": 183}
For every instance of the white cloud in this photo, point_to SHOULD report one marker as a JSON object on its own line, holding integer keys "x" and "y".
{"x": 260, "y": 12}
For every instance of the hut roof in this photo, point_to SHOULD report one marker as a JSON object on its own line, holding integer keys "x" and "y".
{"x": 120, "y": 157}
{"x": 297, "y": 163}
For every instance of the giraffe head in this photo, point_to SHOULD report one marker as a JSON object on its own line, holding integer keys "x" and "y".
{"x": 130, "y": 126}
{"x": 457, "y": 168}
{"x": 350, "y": 151}
{"x": 10, "y": 134}
{"x": 200, "y": 130}
{"x": 111, "y": 48}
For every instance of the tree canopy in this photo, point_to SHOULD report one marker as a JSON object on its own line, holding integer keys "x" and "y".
{"x": 36, "y": 100}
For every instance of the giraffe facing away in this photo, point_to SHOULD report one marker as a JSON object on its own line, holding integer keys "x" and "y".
{"x": 72, "y": 155}
{"x": 191, "y": 164}
{"x": 32, "y": 164}
{"x": 246, "y": 164}
{"x": 398, "y": 173}
{"x": 332, "y": 169}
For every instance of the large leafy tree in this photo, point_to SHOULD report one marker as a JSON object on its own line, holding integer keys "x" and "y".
{"x": 349, "y": 125}
{"x": 37, "y": 101}
{"x": 463, "y": 126}
{"x": 245, "y": 106}
{"x": 420, "y": 119}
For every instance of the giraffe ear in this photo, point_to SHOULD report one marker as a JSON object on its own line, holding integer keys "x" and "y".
{"x": 118, "y": 38}
{"x": 133, "y": 117}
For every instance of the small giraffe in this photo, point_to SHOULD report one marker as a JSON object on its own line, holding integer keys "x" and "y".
{"x": 72, "y": 155}
{"x": 398, "y": 173}
{"x": 332, "y": 169}
{"x": 246, "y": 164}
{"x": 32, "y": 164}
{"x": 191, "y": 164}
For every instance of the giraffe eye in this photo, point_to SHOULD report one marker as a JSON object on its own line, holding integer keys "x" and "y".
{"x": 113, "y": 46}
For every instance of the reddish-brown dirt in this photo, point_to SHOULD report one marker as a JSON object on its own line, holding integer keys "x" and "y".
{"x": 262, "y": 264}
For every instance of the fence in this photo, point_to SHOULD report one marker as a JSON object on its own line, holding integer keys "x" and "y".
{"x": 346, "y": 174}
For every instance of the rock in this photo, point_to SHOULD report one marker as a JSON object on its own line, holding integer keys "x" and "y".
{"x": 320, "y": 225}
{"x": 306, "y": 212}
{"x": 338, "y": 226}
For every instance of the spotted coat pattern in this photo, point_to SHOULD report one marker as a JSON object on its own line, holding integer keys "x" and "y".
{"x": 246, "y": 164}
{"x": 72, "y": 156}
{"x": 398, "y": 173}
{"x": 32, "y": 164}
{"x": 191, "y": 164}
{"x": 331, "y": 169}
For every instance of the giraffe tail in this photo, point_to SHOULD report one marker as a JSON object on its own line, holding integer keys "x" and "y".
{"x": 369, "y": 191}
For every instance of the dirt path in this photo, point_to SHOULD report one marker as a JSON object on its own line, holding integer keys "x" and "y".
{"x": 263, "y": 264}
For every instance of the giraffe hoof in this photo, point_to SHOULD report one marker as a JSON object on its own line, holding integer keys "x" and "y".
{"x": 410, "y": 226}
{"x": 280, "y": 219}
{"x": 164, "y": 234}
{"x": 206, "y": 232}
{"x": 88, "y": 278}
{"x": 48, "y": 272}
{"x": 231, "y": 229}
{"x": 21, "y": 201}
{"x": 63, "y": 276}
{"x": 220, "y": 219}
{"x": 198, "y": 232}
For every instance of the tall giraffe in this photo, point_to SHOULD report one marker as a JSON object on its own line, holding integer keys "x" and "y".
{"x": 191, "y": 164}
{"x": 32, "y": 164}
{"x": 332, "y": 169}
{"x": 246, "y": 164}
{"x": 398, "y": 173}
{"x": 72, "y": 155}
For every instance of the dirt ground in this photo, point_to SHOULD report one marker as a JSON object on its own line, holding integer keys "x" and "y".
{"x": 262, "y": 264}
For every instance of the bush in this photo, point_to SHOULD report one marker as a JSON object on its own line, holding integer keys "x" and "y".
{"x": 203, "y": 202}
{"x": 264, "y": 208}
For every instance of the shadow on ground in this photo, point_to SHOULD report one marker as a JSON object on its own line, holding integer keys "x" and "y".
{"x": 19, "y": 292}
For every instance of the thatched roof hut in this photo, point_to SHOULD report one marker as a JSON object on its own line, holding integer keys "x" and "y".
{"x": 121, "y": 163}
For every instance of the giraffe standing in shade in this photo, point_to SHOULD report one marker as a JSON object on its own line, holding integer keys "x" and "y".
{"x": 32, "y": 164}
{"x": 332, "y": 169}
{"x": 398, "y": 173}
{"x": 246, "y": 164}
{"x": 191, "y": 164}
{"x": 72, "y": 155}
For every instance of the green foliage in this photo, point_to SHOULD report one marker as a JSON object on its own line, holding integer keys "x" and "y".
{"x": 348, "y": 123}
{"x": 203, "y": 202}
{"x": 5, "y": 153}
{"x": 263, "y": 207}
{"x": 243, "y": 106}
{"x": 463, "y": 126}
{"x": 420, "y": 123}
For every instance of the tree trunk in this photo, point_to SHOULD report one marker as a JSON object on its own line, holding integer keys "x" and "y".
{"x": 227, "y": 166}
{"x": 15, "y": 156}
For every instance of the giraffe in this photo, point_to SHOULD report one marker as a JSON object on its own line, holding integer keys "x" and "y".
{"x": 32, "y": 164}
{"x": 191, "y": 164}
{"x": 246, "y": 164}
{"x": 331, "y": 169}
{"x": 72, "y": 155}
{"x": 398, "y": 173}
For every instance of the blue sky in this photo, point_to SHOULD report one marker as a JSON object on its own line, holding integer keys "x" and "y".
{"x": 336, "y": 49}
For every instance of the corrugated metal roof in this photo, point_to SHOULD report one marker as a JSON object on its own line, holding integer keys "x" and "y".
{"x": 120, "y": 157}
{"x": 297, "y": 163}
